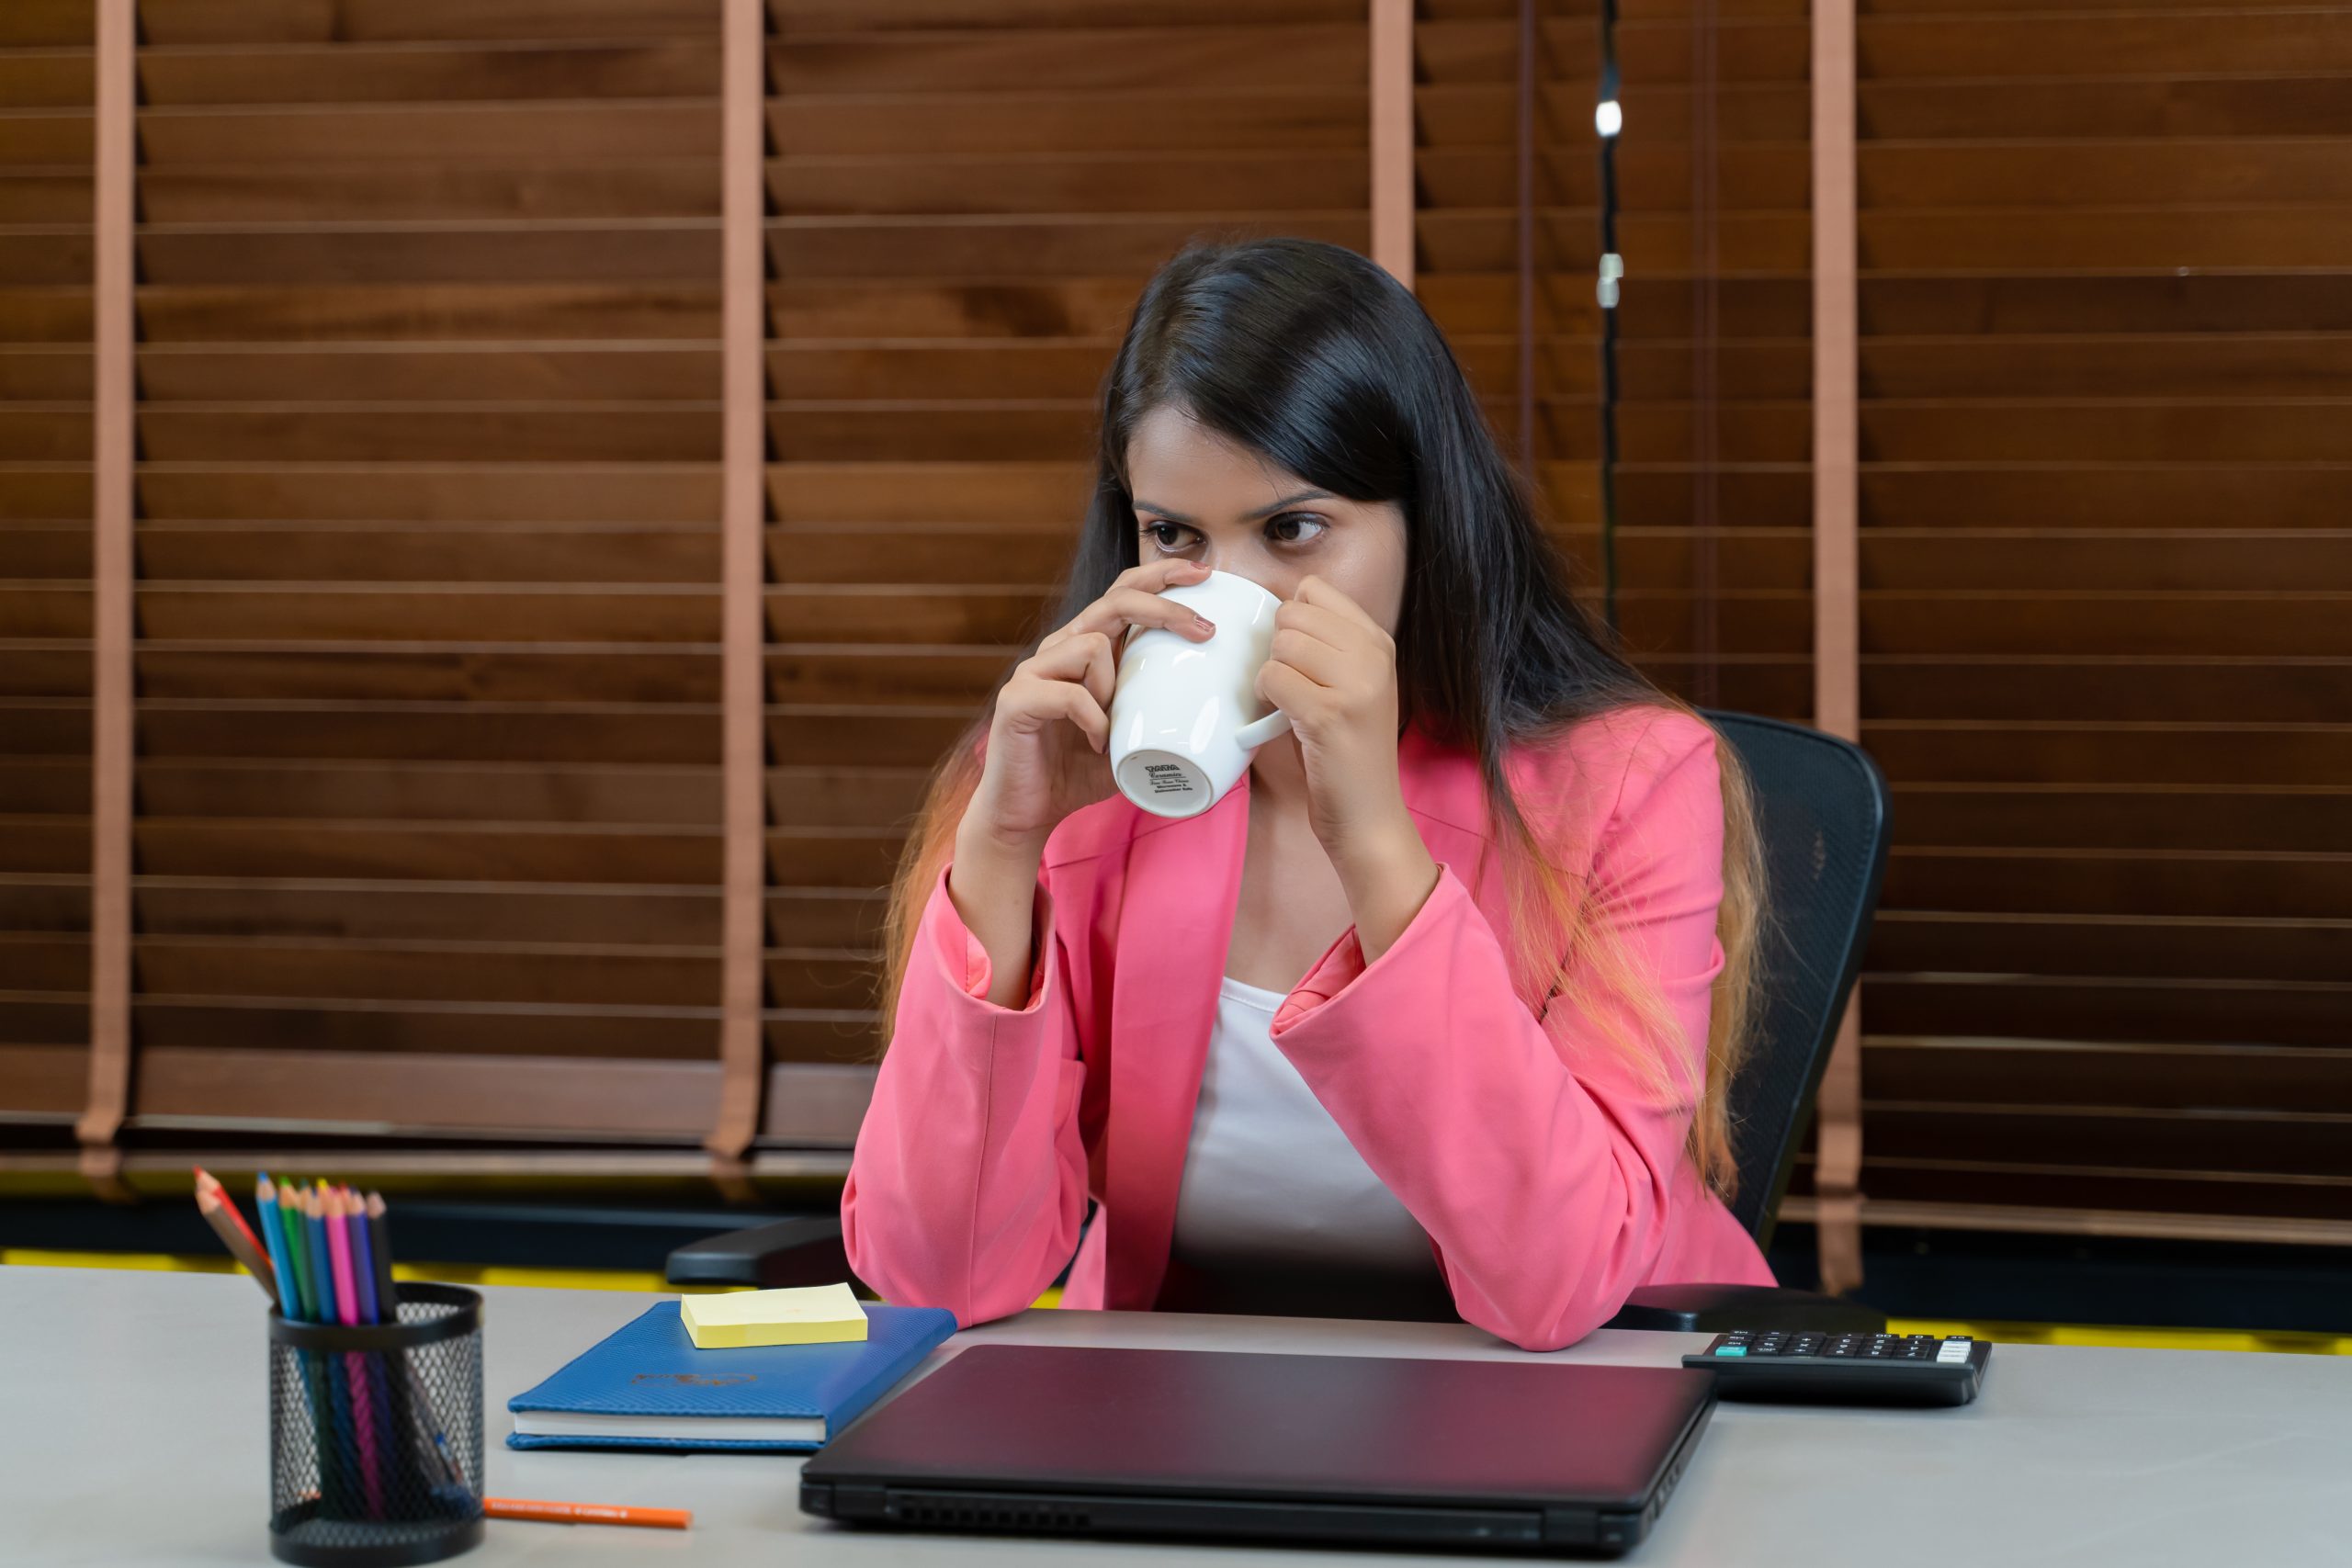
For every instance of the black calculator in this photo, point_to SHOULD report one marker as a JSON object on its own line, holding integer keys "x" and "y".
{"x": 1845, "y": 1368}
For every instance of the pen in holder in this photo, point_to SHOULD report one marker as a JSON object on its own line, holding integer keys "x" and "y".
{"x": 375, "y": 1434}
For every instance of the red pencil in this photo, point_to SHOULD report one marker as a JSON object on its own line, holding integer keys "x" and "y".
{"x": 205, "y": 1179}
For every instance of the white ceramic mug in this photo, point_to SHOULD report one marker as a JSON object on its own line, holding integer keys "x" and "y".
{"x": 1184, "y": 714}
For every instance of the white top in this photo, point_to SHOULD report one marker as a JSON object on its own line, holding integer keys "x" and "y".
{"x": 1268, "y": 1173}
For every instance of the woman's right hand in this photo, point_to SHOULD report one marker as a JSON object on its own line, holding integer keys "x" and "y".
{"x": 1051, "y": 720}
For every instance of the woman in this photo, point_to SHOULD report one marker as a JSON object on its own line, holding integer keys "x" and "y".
{"x": 1318, "y": 1031}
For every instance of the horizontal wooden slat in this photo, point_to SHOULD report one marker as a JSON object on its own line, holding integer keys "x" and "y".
{"x": 2191, "y": 364}
{"x": 42, "y": 1079}
{"x": 212, "y": 796}
{"x": 352, "y": 553}
{"x": 326, "y": 193}
{"x": 1260, "y": 59}
{"x": 2109, "y": 559}
{"x": 2168, "y": 1009}
{"x": 297, "y": 134}
{"x": 2065, "y": 47}
{"x": 2184, "y": 493}
{"x": 506, "y": 69}
{"x": 1089, "y": 182}
{"x": 2213, "y": 883}
{"x": 2281, "y": 817}
{"x": 665, "y": 431}
{"x": 2252, "y": 947}
{"x": 668, "y": 734}
{"x": 2105, "y": 687}
{"x": 618, "y": 492}
{"x": 2279, "y": 1144}
{"x": 395, "y": 22}
{"x": 567, "y": 250}
{"x": 2180, "y": 752}
{"x": 2194, "y": 1078}
{"x": 247, "y": 317}
{"x": 458, "y": 672}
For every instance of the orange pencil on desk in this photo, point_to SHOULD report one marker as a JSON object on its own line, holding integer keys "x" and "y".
{"x": 586, "y": 1513}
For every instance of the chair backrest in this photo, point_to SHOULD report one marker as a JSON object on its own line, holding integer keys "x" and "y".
{"x": 1822, "y": 809}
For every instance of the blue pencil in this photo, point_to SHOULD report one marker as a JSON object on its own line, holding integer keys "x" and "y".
{"x": 273, "y": 1235}
{"x": 340, "y": 1441}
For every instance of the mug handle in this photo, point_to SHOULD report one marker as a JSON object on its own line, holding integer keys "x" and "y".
{"x": 1251, "y": 736}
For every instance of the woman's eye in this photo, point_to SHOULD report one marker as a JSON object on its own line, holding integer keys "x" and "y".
{"x": 1297, "y": 518}
{"x": 1159, "y": 536}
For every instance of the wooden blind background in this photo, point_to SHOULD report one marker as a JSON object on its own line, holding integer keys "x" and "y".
{"x": 45, "y": 444}
{"x": 2106, "y": 488}
{"x": 966, "y": 196}
{"x": 1714, "y": 496}
{"x": 429, "y": 840}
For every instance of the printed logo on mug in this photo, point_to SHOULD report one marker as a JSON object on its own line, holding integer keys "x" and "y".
{"x": 1185, "y": 716}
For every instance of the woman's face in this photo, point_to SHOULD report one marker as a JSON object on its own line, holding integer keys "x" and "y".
{"x": 1203, "y": 498}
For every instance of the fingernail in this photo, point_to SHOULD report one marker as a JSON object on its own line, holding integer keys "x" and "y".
{"x": 1203, "y": 624}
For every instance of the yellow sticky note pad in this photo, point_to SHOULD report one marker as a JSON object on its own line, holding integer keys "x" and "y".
{"x": 814, "y": 1314}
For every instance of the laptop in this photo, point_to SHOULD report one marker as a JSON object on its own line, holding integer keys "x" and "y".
{"x": 1514, "y": 1456}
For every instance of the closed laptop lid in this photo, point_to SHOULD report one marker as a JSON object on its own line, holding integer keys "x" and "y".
{"x": 1231, "y": 1424}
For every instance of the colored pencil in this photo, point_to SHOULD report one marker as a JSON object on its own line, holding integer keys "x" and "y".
{"x": 585, "y": 1513}
{"x": 363, "y": 1277}
{"x": 379, "y": 1244}
{"x": 379, "y": 1226}
{"x": 204, "y": 1179}
{"x": 337, "y": 1439}
{"x": 274, "y": 1242}
{"x": 297, "y": 1250}
{"x": 355, "y": 1363}
{"x": 220, "y": 1213}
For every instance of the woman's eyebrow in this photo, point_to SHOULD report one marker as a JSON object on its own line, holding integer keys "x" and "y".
{"x": 1175, "y": 516}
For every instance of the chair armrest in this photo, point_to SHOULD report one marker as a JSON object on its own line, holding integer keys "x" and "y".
{"x": 1718, "y": 1309}
{"x": 806, "y": 1250}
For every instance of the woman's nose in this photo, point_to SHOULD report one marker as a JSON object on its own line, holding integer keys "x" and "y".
{"x": 1278, "y": 583}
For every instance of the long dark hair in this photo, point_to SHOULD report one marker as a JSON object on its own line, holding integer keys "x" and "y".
{"x": 1316, "y": 358}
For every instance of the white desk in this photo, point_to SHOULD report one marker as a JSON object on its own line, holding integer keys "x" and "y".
{"x": 132, "y": 1431}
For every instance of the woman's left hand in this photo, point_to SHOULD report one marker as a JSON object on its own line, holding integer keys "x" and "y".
{"x": 1333, "y": 670}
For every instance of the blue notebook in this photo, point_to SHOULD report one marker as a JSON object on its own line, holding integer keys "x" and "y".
{"x": 646, "y": 1386}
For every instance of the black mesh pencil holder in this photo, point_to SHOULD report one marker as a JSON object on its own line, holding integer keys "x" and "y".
{"x": 375, "y": 1434}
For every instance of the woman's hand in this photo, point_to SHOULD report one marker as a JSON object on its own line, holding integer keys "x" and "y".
{"x": 1052, "y": 719}
{"x": 1333, "y": 670}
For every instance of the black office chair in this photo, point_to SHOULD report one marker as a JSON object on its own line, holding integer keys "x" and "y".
{"x": 1823, "y": 814}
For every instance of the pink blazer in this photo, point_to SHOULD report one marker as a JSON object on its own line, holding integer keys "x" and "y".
{"x": 1551, "y": 1182}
